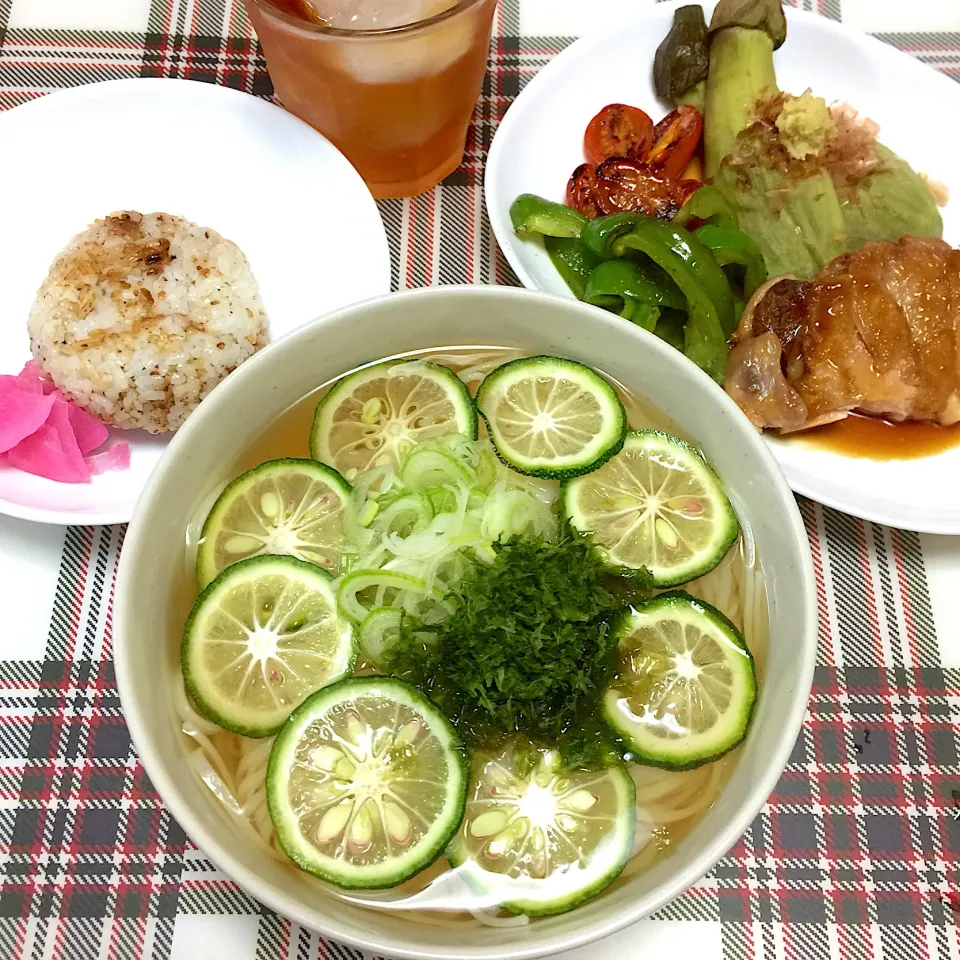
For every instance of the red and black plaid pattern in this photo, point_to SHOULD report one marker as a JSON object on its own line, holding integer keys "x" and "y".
{"x": 855, "y": 855}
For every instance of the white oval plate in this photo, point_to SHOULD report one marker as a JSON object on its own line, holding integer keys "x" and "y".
{"x": 248, "y": 169}
{"x": 540, "y": 141}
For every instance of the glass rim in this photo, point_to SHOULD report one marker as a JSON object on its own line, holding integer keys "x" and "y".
{"x": 268, "y": 9}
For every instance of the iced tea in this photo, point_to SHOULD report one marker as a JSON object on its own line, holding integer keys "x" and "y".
{"x": 392, "y": 83}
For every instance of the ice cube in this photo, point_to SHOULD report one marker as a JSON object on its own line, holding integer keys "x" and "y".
{"x": 377, "y": 14}
{"x": 402, "y": 58}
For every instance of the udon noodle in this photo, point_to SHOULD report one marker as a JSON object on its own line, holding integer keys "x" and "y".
{"x": 668, "y": 803}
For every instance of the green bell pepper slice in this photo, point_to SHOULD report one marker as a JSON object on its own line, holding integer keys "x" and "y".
{"x": 645, "y": 315}
{"x": 604, "y": 236}
{"x": 670, "y": 327}
{"x": 710, "y": 307}
{"x": 709, "y": 205}
{"x": 642, "y": 314}
{"x": 531, "y": 214}
{"x": 599, "y": 234}
{"x": 572, "y": 260}
{"x": 630, "y": 286}
{"x": 735, "y": 247}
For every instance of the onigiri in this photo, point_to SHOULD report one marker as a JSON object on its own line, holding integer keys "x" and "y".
{"x": 142, "y": 315}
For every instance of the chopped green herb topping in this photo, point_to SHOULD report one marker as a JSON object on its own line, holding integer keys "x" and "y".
{"x": 528, "y": 647}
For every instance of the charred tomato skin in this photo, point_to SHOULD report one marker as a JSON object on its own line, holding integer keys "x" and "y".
{"x": 618, "y": 130}
{"x": 629, "y": 186}
{"x": 582, "y": 193}
{"x": 676, "y": 138}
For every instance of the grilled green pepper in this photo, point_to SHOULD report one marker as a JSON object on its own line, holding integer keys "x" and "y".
{"x": 711, "y": 311}
{"x": 643, "y": 315}
{"x": 711, "y": 314}
{"x": 532, "y": 214}
{"x": 599, "y": 234}
{"x": 635, "y": 291}
{"x": 643, "y": 282}
{"x": 573, "y": 260}
{"x": 735, "y": 247}
{"x": 669, "y": 328}
{"x": 709, "y": 205}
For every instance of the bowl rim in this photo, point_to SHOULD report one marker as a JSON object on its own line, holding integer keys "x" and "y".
{"x": 328, "y": 925}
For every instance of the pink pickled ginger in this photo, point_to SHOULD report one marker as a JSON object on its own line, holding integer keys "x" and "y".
{"x": 29, "y": 379}
{"x": 52, "y": 450}
{"x": 116, "y": 458}
{"x": 45, "y": 434}
{"x": 22, "y": 412}
{"x": 88, "y": 430}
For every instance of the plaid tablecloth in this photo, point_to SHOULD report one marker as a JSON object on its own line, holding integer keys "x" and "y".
{"x": 855, "y": 856}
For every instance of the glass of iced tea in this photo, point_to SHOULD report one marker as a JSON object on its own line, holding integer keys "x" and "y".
{"x": 392, "y": 83}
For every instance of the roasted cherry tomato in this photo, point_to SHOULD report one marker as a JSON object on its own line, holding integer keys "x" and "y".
{"x": 694, "y": 169}
{"x": 625, "y": 185}
{"x": 688, "y": 188}
{"x": 618, "y": 131}
{"x": 675, "y": 141}
{"x": 582, "y": 191}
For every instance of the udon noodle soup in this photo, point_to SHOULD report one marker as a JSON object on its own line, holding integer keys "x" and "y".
{"x": 665, "y": 801}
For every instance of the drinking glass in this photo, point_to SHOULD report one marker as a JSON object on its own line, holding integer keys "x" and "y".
{"x": 395, "y": 100}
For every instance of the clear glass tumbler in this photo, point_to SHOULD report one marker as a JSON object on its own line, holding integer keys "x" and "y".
{"x": 396, "y": 100}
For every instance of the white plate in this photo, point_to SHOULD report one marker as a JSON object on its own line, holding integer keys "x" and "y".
{"x": 251, "y": 171}
{"x": 540, "y": 141}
